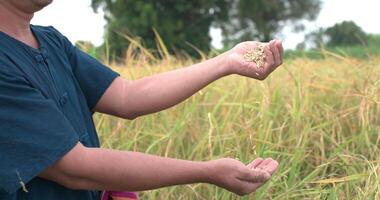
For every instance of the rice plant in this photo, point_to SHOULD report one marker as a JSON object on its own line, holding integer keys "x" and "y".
{"x": 319, "y": 118}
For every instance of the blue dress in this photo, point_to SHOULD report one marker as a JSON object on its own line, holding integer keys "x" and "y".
{"x": 46, "y": 101}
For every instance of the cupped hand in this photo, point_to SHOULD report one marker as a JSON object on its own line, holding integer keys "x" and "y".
{"x": 239, "y": 178}
{"x": 273, "y": 52}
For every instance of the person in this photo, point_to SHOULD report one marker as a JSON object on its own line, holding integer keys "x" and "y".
{"x": 49, "y": 90}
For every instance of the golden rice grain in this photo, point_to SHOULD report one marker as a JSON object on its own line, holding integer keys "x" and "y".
{"x": 256, "y": 55}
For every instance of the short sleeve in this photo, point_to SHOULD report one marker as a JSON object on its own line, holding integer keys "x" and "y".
{"x": 34, "y": 133}
{"x": 94, "y": 78}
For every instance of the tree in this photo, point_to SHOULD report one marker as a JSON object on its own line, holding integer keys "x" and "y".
{"x": 184, "y": 23}
{"x": 180, "y": 23}
{"x": 314, "y": 40}
{"x": 261, "y": 19}
{"x": 346, "y": 33}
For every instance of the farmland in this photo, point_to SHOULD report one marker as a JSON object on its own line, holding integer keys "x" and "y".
{"x": 319, "y": 118}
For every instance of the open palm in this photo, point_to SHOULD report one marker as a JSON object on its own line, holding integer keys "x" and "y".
{"x": 273, "y": 52}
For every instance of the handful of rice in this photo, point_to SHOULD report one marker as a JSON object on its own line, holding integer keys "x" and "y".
{"x": 256, "y": 55}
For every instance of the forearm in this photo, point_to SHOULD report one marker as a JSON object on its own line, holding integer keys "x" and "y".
{"x": 105, "y": 169}
{"x": 161, "y": 91}
{"x": 130, "y": 99}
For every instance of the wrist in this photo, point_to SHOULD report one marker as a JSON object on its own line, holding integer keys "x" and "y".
{"x": 223, "y": 64}
{"x": 208, "y": 170}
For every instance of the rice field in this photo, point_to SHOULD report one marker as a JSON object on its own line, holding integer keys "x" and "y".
{"x": 319, "y": 118}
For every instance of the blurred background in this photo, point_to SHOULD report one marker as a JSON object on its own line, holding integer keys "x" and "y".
{"x": 188, "y": 26}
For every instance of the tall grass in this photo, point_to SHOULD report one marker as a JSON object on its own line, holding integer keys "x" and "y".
{"x": 319, "y": 118}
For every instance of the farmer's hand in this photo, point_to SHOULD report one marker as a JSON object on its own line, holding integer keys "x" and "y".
{"x": 239, "y": 178}
{"x": 237, "y": 64}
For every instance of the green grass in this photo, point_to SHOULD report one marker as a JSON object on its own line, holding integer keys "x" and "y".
{"x": 319, "y": 118}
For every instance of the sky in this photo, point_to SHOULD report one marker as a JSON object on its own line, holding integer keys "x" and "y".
{"x": 77, "y": 21}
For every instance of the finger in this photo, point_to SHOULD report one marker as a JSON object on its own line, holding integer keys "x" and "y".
{"x": 255, "y": 162}
{"x": 269, "y": 60}
{"x": 258, "y": 175}
{"x": 276, "y": 53}
{"x": 271, "y": 167}
{"x": 281, "y": 49}
{"x": 255, "y": 175}
{"x": 268, "y": 165}
{"x": 264, "y": 163}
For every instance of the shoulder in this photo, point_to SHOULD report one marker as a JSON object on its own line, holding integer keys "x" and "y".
{"x": 51, "y": 34}
{"x": 4, "y": 63}
{"x": 8, "y": 68}
{"x": 47, "y": 30}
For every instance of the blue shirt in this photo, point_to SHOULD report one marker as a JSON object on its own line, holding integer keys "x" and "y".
{"x": 46, "y": 98}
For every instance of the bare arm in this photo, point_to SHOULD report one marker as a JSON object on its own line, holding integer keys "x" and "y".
{"x": 105, "y": 169}
{"x": 130, "y": 99}
{"x": 116, "y": 170}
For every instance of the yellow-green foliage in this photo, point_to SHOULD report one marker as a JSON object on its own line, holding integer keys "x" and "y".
{"x": 319, "y": 118}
